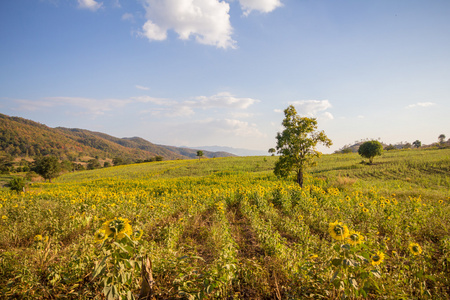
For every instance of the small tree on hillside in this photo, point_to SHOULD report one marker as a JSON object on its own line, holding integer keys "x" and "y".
{"x": 272, "y": 151}
{"x": 48, "y": 167}
{"x": 296, "y": 144}
{"x": 370, "y": 149}
{"x": 417, "y": 144}
{"x": 93, "y": 164}
{"x": 17, "y": 184}
{"x": 199, "y": 154}
{"x": 441, "y": 139}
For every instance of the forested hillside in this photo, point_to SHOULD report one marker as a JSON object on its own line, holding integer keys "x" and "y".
{"x": 22, "y": 137}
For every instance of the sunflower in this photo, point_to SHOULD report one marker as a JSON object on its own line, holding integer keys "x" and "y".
{"x": 355, "y": 238}
{"x": 377, "y": 258}
{"x": 38, "y": 237}
{"x": 118, "y": 228}
{"x": 415, "y": 248}
{"x": 100, "y": 236}
{"x": 338, "y": 231}
{"x": 137, "y": 234}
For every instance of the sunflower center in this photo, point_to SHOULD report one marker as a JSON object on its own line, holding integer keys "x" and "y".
{"x": 116, "y": 226}
{"x": 376, "y": 258}
{"x": 354, "y": 237}
{"x": 415, "y": 248}
{"x": 338, "y": 229}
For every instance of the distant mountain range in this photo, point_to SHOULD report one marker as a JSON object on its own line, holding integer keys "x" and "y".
{"x": 22, "y": 137}
{"x": 235, "y": 151}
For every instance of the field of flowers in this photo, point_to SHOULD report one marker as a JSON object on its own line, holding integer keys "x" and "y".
{"x": 227, "y": 228}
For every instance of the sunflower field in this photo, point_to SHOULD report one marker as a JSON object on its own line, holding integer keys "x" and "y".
{"x": 227, "y": 228}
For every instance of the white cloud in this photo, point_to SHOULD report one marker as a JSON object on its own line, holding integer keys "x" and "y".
{"x": 326, "y": 116}
{"x": 206, "y": 20}
{"x": 128, "y": 17}
{"x": 278, "y": 111}
{"x": 264, "y": 6}
{"x": 239, "y": 128}
{"x": 89, "y": 106}
{"x": 311, "y": 108}
{"x": 219, "y": 129}
{"x": 241, "y": 115}
{"x": 221, "y": 100}
{"x": 154, "y": 32}
{"x": 141, "y": 87}
{"x": 89, "y": 4}
{"x": 421, "y": 104}
{"x": 157, "y": 101}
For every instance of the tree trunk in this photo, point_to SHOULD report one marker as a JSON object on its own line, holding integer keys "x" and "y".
{"x": 300, "y": 178}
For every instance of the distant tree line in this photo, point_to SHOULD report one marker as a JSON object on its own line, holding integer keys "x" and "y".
{"x": 442, "y": 143}
{"x": 50, "y": 166}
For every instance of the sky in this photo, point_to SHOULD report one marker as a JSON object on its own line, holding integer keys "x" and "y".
{"x": 220, "y": 72}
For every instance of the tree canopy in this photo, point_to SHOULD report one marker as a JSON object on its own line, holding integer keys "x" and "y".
{"x": 296, "y": 144}
{"x": 370, "y": 149}
{"x": 48, "y": 167}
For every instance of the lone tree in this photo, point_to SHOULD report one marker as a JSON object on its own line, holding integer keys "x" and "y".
{"x": 370, "y": 149}
{"x": 441, "y": 139}
{"x": 199, "y": 154}
{"x": 296, "y": 145}
{"x": 272, "y": 151}
{"x": 417, "y": 144}
{"x": 48, "y": 167}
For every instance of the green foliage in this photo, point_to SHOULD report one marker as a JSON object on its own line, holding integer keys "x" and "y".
{"x": 17, "y": 184}
{"x": 296, "y": 144}
{"x": 417, "y": 143}
{"x": 370, "y": 149}
{"x": 199, "y": 154}
{"x": 48, "y": 167}
{"x": 119, "y": 262}
{"x": 93, "y": 164}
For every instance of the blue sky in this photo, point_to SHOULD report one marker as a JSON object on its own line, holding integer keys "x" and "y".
{"x": 221, "y": 72}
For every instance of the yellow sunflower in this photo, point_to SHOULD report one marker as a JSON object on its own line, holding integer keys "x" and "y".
{"x": 415, "y": 248}
{"x": 118, "y": 228}
{"x": 354, "y": 238}
{"x": 38, "y": 237}
{"x": 338, "y": 231}
{"x": 137, "y": 234}
{"x": 100, "y": 236}
{"x": 377, "y": 258}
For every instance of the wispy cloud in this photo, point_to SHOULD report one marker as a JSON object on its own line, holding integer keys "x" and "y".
{"x": 221, "y": 128}
{"x": 89, "y": 4}
{"x": 207, "y": 21}
{"x": 421, "y": 104}
{"x": 154, "y": 106}
{"x": 221, "y": 100}
{"x": 88, "y": 106}
{"x": 140, "y": 87}
{"x": 128, "y": 17}
{"x": 264, "y": 6}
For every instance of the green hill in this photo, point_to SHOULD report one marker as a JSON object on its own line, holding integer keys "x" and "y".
{"x": 22, "y": 137}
